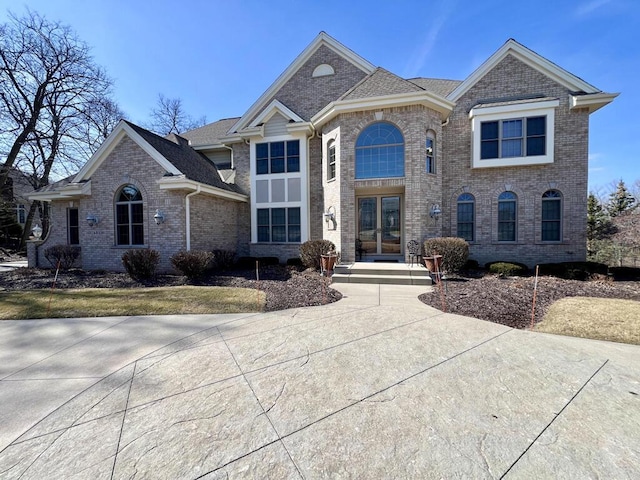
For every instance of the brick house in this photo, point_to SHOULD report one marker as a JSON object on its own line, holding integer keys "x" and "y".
{"x": 338, "y": 149}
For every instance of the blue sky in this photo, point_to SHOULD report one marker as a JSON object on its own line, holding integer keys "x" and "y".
{"x": 220, "y": 56}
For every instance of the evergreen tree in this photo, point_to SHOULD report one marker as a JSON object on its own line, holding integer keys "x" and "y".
{"x": 599, "y": 224}
{"x": 621, "y": 201}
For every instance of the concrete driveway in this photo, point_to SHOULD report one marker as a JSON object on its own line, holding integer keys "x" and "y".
{"x": 377, "y": 385}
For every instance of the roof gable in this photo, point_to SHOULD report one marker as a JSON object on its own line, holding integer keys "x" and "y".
{"x": 175, "y": 156}
{"x": 121, "y": 130}
{"x": 321, "y": 40}
{"x": 529, "y": 57}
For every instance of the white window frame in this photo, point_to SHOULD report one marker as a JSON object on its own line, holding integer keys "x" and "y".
{"x": 480, "y": 114}
{"x": 304, "y": 189}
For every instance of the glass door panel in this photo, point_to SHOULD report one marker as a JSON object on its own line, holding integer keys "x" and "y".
{"x": 391, "y": 226}
{"x": 368, "y": 224}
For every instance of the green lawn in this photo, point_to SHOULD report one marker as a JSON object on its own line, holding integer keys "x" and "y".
{"x": 103, "y": 302}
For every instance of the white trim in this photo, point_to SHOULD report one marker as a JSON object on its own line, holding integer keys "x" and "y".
{"x": 593, "y": 101}
{"x": 529, "y": 57}
{"x": 320, "y": 40}
{"x": 275, "y": 107}
{"x": 70, "y": 190}
{"x": 183, "y": 183}
{"x": 303, "y": 175}
{"x": 505, "y": 112}
{"x": 439, "y": 104}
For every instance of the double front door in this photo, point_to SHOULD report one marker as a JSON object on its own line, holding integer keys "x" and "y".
{"x": 380, "y": 224}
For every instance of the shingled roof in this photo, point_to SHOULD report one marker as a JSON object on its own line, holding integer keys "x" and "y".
{"x": 379, "y": 83}
{"x": 438, "y": 86}
{"x": 210, "y": 134}
{"x": 194, "y": 165}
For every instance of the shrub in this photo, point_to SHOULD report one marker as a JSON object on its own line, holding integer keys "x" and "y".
{"x": 472, "y": 265}
{"x": 625, "y": 273}
{"x": 311, "y": 250}
{"x": 454, "y": 251}
{"x": 247, "y": 262}
{"x": 294, "y": 262}
{"x": 63, "y": 255}
{"x": 573, "y": 270}
{"x": 141, "y": 264}
{"x": 192, "y": 264}
{"x": 223, "y": 259}
{"x": 509, "y": 269}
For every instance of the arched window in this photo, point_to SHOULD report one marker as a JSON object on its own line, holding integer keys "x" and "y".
{"x": 507, "y": 203}
{"x": 129, "y": 218}
{"x": 466, "y": 216}
{"x": 431, "y": 153}
{"x": 551, "y": 216}
{"x": 331, "y": 160}
{"x": 380, "y": 152}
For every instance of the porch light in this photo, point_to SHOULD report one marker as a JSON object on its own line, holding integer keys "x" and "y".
{"x": 158, "y": 217}
{"x": 92, "y": 220}
{"x": 37, "y": 231}
{"x": 435, "y": 211}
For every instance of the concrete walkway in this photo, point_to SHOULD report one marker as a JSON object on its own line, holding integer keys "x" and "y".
{"x": 373, "y": 386}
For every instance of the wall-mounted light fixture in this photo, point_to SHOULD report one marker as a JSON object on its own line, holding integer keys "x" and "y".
{"x": 158, "y": 217}
{"x": 330, "y": 217}
{"x": 37, "y": 231}
{"x": 92, "y": 220}
{"x": 435, "y": 211}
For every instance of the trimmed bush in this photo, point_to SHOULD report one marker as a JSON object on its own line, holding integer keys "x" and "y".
{"x": 454, "y": 251}
{"x": 223, "y": 259}
{"x": 472, "y": 265}
{"x": 509, "y": 269}
{"x": 141, "y": 264}
{"x": 573, "y": 270}
{"x": 63, "y": 255}
{"x": 294, "y": 262}
{"x": 247, "y": 262}
{"x": 192, "y": 264}
{"x": 311, "y": 250}
{"x": 625, "y": 273}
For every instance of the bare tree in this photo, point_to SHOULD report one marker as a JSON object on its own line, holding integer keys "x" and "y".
{"x": 169, "y": 116}
{"x": 50, "y": 91}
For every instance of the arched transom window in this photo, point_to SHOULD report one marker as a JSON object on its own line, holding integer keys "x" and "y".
{"x": 129, "y": 217}
{"x": 380, "y": 152}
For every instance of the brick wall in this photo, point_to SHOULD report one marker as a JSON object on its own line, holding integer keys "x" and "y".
{"x": 568, "y": 173}
{"x": 419, "y": 188}
{"x": 214, "y": 221}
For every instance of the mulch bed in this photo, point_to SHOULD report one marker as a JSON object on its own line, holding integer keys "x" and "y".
{"x": 504, "y": 300}
{"x": 285, "y": 287}
{"x": 508, "y": 300}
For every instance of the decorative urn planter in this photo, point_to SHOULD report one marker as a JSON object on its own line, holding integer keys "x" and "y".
{"x": 328, "y": 261}
{"x": 433, "y": 263}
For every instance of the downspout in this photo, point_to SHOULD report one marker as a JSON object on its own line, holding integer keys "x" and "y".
{"x": 231, "y": 149}
{"x": 188, "y": 215}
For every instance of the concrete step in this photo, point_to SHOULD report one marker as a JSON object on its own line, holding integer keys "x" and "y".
{"x": 381, "y": 273}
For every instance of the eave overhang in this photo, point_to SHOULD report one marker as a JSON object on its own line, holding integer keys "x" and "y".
{"x": 68, "y": 191}
{"x": 593, "y": 101}
{"x": 183, "y": 183}
{"x": 427, "y": 99}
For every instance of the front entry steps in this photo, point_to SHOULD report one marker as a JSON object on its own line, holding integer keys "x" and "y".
{"x": 379, "y": 273}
